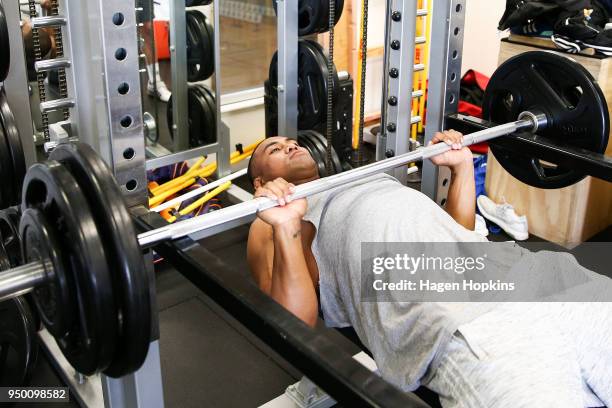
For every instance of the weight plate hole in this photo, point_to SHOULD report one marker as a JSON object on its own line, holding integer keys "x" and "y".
{"x": 444, "y": 182}
{"x": 128, "y": 154}
{"x": 131, "y": 185}
{"x": 455, "y": 54}
{"x": 456, "y": 32}
{"x": 120, "y": 54}
{"x": 508, "y": 101}
{"x": 443, "y": 202}
{"x": 118, "y": 19}
{"x": 37, "y": 192}
{"x": 123, "y": 88}
{"x": 572, "y": 96}
{"x": 458, "y": 8}
{"x": 451, "y": 98}
{"x": 304, "y": 19}
{"x": 453, "y": 77}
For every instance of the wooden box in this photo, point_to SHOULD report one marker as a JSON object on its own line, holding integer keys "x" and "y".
{"x": 566, "y": 216}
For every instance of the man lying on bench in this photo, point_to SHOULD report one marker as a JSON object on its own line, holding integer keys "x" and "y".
{"x": 472, "y": 354}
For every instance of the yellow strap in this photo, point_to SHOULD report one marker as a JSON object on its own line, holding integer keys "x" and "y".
{"x": 153, "y": 201}
{"x": 211, "y": 194}
{"x": 425, "y": 73}
{"x": 195, "y": 166}
{"x": 357, "y": 100}
{"x": 180, "y": 180}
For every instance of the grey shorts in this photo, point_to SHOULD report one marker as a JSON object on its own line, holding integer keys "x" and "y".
{"x": 530, "y": 355}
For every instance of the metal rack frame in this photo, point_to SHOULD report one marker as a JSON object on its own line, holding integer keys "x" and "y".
{"x": 91, "y": 41}
{"x": 178, "y": 61}
{"x": 444, "y": 76}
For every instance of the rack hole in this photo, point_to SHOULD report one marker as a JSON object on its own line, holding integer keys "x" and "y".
{"x": 120, "y": 54}
{"x": 128, "y": 154}
{"x": 131, "y": 185}
{"x": 126, "y": 121}
{"x": 118, "y": 19}
{"x": 123, "y": 88}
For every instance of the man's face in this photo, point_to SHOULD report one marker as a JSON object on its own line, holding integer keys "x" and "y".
{"x": 282, "y": 157}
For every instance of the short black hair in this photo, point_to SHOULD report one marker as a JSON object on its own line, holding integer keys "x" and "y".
{"x": 250, "y": 169}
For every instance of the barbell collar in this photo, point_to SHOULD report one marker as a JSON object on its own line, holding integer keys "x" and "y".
{"x": 187, "y": 227}
{"x": 538, "y": 119}
{"x": 22, "y": 279}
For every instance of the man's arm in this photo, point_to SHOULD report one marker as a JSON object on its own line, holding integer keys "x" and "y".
{"x": 461, "y": 200}
{"x": 288, "y": 280}
{"x": 291, "y": 284}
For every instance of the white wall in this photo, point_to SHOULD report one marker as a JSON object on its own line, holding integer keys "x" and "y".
{"x": 481, "y": 38}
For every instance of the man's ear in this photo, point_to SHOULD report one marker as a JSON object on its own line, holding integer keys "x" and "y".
{"x": 258, "y": 182}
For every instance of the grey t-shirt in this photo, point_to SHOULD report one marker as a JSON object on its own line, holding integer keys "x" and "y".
{"x": 405, "y": 338}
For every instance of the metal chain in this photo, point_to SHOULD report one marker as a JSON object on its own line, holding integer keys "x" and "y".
{"x": 59, "y": 51}
{"x": 40, "y": 78}
{"x": 330, "y": 88}
{"x": 364, "y": 59}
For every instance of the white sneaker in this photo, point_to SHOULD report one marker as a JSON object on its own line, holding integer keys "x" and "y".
{"x": 481, "y": 226}
{"x": 162, "y": 92}
{"x": 504, "y": 216}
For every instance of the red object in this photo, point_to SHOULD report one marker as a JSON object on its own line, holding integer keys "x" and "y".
{"x": 162, "y": 39}
{"x": 475, "y": 80}
{"x": 472, "y": 77}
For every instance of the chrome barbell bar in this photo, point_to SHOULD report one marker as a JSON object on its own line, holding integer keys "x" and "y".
{"x": 22, "y": 279}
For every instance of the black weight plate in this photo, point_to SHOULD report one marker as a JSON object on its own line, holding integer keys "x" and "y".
{"x": 324, "y": 22}
{"x": 322, "y": 58}
{"x": 211, "y": 45}
{"x": 337, "y": 164}
{"x": 54, "y": 301}
{"x": 18, "y": 343}
{"x": 207, "y": 132}
{"x": 569, "y": 96}
{"x": 192, "y": 3}
{"x": 202, "y": 111}
{"x": 211, "y": 128}
{"x": 14, "y": 144}
{"x": 200, "y": 54}
{"x": 126, "y": 263}
{"x": 89, "y": 345}
{"x": 9, "y": 234}
{"x": 5, "y": 48}
{"x": 5, "y": 262}
{"x": 312, "y": 84}
{"x": 305, "y": 140}
{"x": 313, "y": 15}
{"x": 319, "y": 153}
{"x": 195, "y": 116}
{"x": 320, "y": 145}
{"x": 7, "y": 195}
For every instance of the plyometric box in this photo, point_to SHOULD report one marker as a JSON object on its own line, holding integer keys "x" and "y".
{"x": 569, "y": 215}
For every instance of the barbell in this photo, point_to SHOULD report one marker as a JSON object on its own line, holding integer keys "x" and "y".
{"x": 83, "y": 261}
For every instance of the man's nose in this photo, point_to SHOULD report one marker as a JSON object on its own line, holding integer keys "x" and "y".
{"x": 291, "y": 147}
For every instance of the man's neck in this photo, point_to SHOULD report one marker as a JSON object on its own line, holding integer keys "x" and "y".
{"x": 305, "y": 180}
